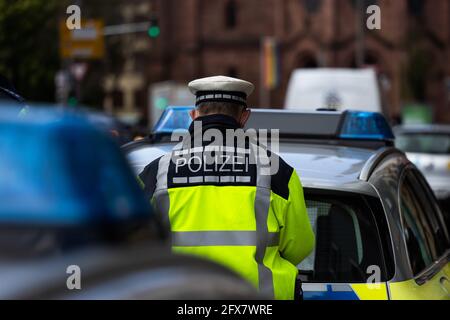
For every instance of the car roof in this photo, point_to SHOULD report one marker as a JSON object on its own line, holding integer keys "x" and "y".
{"x": 319, "y": 166}
{"x": 324, "y": 162}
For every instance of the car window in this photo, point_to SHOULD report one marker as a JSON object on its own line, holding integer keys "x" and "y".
{"x": 347, "y": 241}
{"x": 433, "y": 214}
{"x": 420, "y": 235}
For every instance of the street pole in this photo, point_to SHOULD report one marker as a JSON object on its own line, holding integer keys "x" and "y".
{"x": 337, "y": 33}
{"x": 360, "y": 34}
{"x": 264, "y": 92}
{"x": 126, "y": 28}
{"x": 69, "y": 65}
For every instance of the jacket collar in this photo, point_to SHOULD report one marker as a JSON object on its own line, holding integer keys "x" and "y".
{"x": 218, "y": 121}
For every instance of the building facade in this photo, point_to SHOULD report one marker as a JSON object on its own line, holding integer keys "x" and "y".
{"x": 410, "y": 53}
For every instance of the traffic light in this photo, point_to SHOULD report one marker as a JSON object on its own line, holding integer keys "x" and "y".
{"x": 154, "y": 30}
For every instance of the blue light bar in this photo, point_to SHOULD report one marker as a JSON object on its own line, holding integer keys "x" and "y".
{"x": 173, "y": 119}
{"x": 365, "y": 126}
{"x": 331, "y": 125}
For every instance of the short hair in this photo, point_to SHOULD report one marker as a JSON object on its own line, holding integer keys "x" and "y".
{"x": 226, "y": 108}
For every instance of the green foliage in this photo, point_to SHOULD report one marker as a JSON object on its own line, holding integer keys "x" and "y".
{"x": 29, "y": 46}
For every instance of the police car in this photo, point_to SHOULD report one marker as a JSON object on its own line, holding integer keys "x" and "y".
{"x": 379, "y": 231}
{"x": 72, "y": 216}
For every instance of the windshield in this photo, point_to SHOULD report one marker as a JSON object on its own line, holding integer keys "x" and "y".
{"x": 424, "y": 143}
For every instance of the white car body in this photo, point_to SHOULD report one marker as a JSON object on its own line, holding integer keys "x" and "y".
{"x": 341, "y": 89}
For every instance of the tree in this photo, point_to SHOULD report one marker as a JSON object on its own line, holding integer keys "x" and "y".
{"x": 29, "y": 46}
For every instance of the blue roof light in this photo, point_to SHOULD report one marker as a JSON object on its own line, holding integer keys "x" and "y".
{"x": 56, "y": 168}
{"x": 365, "y": 126}
{"x": 174, "y": 118}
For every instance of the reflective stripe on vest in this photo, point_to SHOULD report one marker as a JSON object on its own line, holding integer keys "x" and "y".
{"x": 221, "y": 238}
{"x": 262, "y": 205}
{"x": 162, "y": 203}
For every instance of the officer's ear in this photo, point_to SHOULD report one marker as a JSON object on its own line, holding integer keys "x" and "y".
{"x": 194, "y": 114}
{"x": 244, "y": 117}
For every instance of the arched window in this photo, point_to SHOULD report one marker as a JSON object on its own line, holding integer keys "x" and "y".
{"x": 371, "y": 59}
{"x": 312, "y": 5}
{"x": 307, "y": 60}
{"x": 415, "y": 7}
{"x": 232, "y": 72}
{"x": 363, "y": 3}
{"x": 231, "y": 14}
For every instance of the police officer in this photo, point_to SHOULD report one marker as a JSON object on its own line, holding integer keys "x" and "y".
{"x": 230, "y": 201}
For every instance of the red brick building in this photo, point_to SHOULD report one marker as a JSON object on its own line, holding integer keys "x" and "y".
{"x": 411, "y": 52}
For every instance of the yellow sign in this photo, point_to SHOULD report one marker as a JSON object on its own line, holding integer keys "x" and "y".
{"x": 87, "y": 42}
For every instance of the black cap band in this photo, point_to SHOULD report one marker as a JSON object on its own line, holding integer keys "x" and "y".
{"x": 235, "y": 97}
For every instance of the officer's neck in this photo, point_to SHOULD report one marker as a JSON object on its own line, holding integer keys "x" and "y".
{"x": 216, "y": 121}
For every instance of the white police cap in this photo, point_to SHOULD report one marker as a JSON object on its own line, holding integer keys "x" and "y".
{"x": 221, "y": 89}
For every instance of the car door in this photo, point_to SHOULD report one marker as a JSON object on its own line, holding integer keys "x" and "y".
{"x": 347, "y": 262}
{"x": 427, "y": 241}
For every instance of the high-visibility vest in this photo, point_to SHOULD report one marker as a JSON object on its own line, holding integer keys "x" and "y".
{"x": 236, "y": 215}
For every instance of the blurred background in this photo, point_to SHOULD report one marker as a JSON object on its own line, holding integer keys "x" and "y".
{"x": 65, "y": 184}
{"x": 131, "y": 59}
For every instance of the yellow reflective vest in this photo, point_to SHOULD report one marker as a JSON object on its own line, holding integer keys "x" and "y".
{"x": 234, "y": 214}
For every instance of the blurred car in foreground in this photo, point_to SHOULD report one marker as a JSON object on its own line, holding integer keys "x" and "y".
{"x": 123, "y": 271}
{"x": 119, "y": 131}
{"x": 428, "y": 147}
{"x": 379, "y": 230}
{"x": 68, "y": 198}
